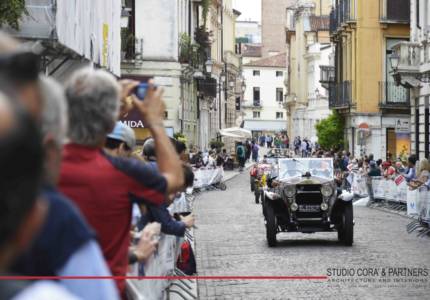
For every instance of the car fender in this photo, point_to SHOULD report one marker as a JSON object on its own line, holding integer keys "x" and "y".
{"x": 346, "y": 196}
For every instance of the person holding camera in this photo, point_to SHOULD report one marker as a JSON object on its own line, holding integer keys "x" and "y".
{"x": 102, "y": 185}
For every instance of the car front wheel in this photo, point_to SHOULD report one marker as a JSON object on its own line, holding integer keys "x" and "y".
{"x": 271, "y": 226}
{"x": 346, "y": 231}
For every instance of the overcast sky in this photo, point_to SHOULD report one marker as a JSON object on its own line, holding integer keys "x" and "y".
{"x": 250, "y": 9}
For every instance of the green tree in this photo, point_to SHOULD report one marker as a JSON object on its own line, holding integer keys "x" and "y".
{"x": 11, "y": 11}
{"x": 330, "y": 131}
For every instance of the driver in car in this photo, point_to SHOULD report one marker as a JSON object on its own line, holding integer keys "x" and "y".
{"x": 290, "y": 169}
{"x": 320, "y": 168}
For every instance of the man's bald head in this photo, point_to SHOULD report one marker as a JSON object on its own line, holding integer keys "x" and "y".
{"x": 7, "y": 43}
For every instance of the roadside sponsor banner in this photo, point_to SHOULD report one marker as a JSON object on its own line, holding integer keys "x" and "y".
{"x": 399, "y": 179}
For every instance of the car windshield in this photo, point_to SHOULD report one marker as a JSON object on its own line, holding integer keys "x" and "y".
{"x": 296, "y": 167}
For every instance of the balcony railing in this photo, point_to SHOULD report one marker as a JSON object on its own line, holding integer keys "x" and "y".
{"x": 392, "y": 95}
{"x": 342, "y": 13}
{"x": 340, "y": 95}
{"x": 395, "y": 11}
{"x": 409, "y": 57}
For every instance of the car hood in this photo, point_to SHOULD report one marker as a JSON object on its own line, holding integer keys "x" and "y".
{"x": 306, "y": 180}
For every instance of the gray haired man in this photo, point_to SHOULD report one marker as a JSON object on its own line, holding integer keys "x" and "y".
{"x": 103, "y": 186}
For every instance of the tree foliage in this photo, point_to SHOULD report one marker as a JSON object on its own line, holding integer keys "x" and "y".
{"x": 11, "y": 12}
{"x": 330, "y": 131}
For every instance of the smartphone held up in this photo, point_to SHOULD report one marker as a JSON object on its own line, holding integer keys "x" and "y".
{"x": 141, "y": 90}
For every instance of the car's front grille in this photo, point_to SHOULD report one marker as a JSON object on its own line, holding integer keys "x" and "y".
{"x": 304, "y": 198}
{"x": 309, "y": 200}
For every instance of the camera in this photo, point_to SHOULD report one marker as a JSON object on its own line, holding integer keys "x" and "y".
{"x": 140, "y": 90}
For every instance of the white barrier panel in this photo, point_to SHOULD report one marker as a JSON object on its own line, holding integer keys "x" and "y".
{"x": 358, "y": 185}
{"x": 161, "y": 263}
{"x": 423, "y": 208}
{"x": 402, "y": 190}
{"x": 378, "y": 187}
{"x": 411, "y": 202}
{"x": 205, "y": 177}
{"x": 387, "y": 189}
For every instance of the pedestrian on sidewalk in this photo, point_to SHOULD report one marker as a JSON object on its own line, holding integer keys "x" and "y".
{"x": 262, "y": 140}
{"x": 304, "y": 148}
{"x": 254, "y": 149}
{"x": 248, "y": 149}
{"x": 269, "y": 141}
{"x": 240, "y": 154}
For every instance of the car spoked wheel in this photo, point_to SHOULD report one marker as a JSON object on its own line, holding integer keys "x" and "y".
{"x": 346, "y": 231}
{"x": 271, "y": 227}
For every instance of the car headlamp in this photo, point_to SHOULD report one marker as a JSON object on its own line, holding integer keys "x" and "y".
{"x": 326, "y": 190}
{"x": 294, "y": 207}
{"x": 324, "y": 206}
{"x": 290, "y": 191}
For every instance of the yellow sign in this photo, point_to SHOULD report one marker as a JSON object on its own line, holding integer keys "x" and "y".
{"x": 104, "y": 61}
{"x": 403, "y": 145}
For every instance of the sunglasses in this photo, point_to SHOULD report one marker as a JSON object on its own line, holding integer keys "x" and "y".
{"x": 20, "y": 66}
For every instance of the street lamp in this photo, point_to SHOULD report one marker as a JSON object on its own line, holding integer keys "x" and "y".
{"x": 125, "y": 15}
{"x": 208, "y": 66}
{"x": 243, "y": 86}
{"x": 394, "y": 61}
{"x": 222, "y": 77}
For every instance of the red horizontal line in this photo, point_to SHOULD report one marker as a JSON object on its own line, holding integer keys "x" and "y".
{"x": 165, "y": 277}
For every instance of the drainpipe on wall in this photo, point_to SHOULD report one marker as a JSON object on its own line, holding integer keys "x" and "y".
{"x": 222, "y": 60}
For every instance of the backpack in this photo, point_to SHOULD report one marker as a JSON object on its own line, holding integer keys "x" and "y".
{"x": 186, "y": 260}
{"x": 240, "y": 151}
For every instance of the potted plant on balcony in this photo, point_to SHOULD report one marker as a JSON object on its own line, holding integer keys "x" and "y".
{"x": 128, "y": 42}
{"x": 11, "y": 12}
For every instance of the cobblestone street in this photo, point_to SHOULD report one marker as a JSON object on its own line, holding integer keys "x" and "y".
{"x": 230, "y": 241}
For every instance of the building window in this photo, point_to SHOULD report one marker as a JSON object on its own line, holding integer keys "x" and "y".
{"x": 417, "y": 10}
{"x": 256, "y": 73}
{"x": 166, "y": 115}
{"x": 279, "y": 115}
{"x": 426, "y": 128}
{"x": 256, "y": 114}
{"x": 279, "y": 94}
{"x": 279, "y": 73}
{"x": 256, "y": 96}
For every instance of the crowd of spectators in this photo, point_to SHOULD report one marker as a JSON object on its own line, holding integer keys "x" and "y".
{"x": 71, "y": 185}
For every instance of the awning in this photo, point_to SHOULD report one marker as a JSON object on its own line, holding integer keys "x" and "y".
{"x": 265, "y": 125}
{"x": 236, "y": 132}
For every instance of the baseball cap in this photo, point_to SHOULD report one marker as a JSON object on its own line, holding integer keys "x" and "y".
{"x": 123, "y": 133}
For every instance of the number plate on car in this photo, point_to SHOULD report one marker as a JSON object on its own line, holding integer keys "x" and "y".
{"x": 309, "y": 208}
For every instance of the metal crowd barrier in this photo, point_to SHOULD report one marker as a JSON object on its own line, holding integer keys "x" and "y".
{"x": 395, "y": 194}
{"x": 163, "y": 263}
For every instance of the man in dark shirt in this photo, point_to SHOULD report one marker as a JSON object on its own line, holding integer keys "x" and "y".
{"x": 374, "y": 171}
